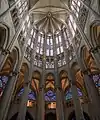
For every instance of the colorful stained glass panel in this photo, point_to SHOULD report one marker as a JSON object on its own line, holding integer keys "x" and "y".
{"x": 50, "y": 96}
{"x": 31, "y": 94}
{"x": 69, "y": 94}
{"x": 3, "y": 82}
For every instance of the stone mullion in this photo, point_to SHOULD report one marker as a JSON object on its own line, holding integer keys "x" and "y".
{"x": 89, "y": 84}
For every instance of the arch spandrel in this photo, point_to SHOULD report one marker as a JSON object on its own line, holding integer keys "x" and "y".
{"x": 10, "y": 63}
{"x": 95, "y": 33}
{"x": 36, "y": 77}
{"x": 20, "y": 81}
{"x": 89, "y": 62}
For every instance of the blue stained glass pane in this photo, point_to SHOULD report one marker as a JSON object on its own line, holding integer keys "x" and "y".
{"x": 47, "y": 98}
{"x": 3, "y": 82}
{"x": 50, "y": 96}
{"x": 31, "y": 95}
{"x": 50, "y": 93}
{"x": 79, "y": 92}
{"x": 69, "y": 94}
{"x": 96, "y": 79}
{"x": 21, "y": 92}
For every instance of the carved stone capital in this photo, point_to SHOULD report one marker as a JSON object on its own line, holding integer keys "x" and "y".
{"x": 41, "y": 87}
{"x": 27, "y": 83}
{"x": 5, "y": 51}
{"x": 14, "y": 73}
{"x": 94, "y": 49}
{"x": 58, "y": 87}
{"x": 86, "y": 71}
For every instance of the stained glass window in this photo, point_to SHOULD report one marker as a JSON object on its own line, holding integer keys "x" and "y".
{"x": 31, "y": 94}
{"x": 75, "y": 7}
{"x": 96, "y": 79}
{"x": 50, "y": 96}
{"x": 69, "y": 94}
{"x": 3, "y": 82}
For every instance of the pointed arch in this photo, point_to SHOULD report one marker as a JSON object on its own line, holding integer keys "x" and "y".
{"x": 95, "y": 33}
{"x": 4, "y": 35}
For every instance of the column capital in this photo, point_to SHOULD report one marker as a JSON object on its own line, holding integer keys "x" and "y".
{"x": 41, "y": 87}
{"x": 14, "y": 73}
{"x": 94, "y": 49}
{"x": 5, "y": 51}
{"x": 58, "y": 87}
{"x": 27, "y": 83}
{"x": 86, "y": 71}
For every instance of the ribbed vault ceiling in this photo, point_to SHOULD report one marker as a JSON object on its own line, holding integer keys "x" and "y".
{"x": 49, "y": 15}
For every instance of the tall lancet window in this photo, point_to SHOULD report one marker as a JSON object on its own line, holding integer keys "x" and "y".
{"x": 22, "y": 6}
{"x": 75, "y": 7}
{"x": 40, "y": 44}
{"x": 59, "y": 45}
{"x": 49, "y": 47}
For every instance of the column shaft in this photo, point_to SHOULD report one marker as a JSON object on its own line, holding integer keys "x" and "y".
{"x": 27, "y": 79}
{"x": 76, "y": 101}
{"x": 72, "y": 80}
{"x": 59, "y": 104}
{"x": 7, "y": 95}
{"x": 59, "y": 100}
{"x": 77, "y": 105}
{"x": 23, "y": 104}
{"x": 41, "y": 105}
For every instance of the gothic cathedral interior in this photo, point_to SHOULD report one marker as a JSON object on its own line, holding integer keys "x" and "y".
{"x": 49, "y": 59}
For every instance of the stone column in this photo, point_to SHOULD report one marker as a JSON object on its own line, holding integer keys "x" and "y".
{"x": 77, "y": 104}
{"x": 72, "y": 80}
{"x": 41, "y": 104}
{"x": 7, "y": 95}
{"x": 8, "y": 92}
{"x": 93, "y": 95}
{"x": 41, "y": 99}
{"x": 24, "y": 99}
{"x": 59, "y": 98}
{"x": 59, "y": 104}
{"x": 89, "y": 84}
{"x": 28, "y": 78}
